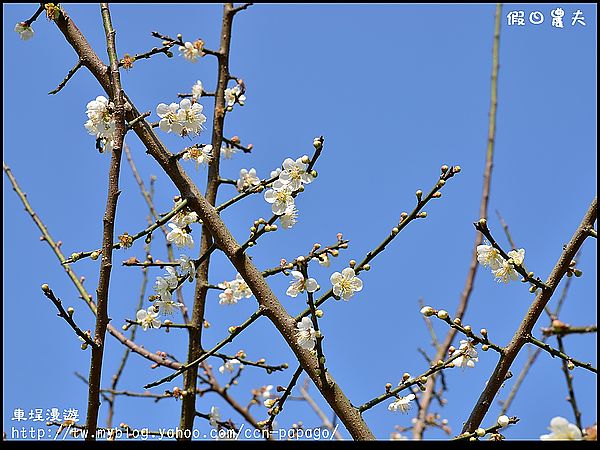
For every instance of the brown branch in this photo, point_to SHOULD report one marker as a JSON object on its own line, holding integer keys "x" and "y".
{"x": 326, "y": 422}
{"x": 563, "y": 331}
{"x": 108, "y": 230}
{"x": 188, "y": 405}
{"x": 523, "y": 333}
{"x": 64, "y": 82}
{"x": 267, "y": 300}
{"x": 569, "y": 380}
{"x": 67, "y": 315}
{"x": 557, "y": 353}
{"x": 84, "y": 295}
{"x": 419, "y": 427}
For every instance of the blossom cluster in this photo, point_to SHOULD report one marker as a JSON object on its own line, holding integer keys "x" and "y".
{"x": 235, "y": 95}
{"x": 200, "y": 154}
{"x": 503, "y": 269}
{"x": 24, "y": 30}
{"x": 180, "y": 231}
{"x": 183, "y": 118}
{"x": 290, "y": 180}
{"x": 233, "y": 291}
{"x": 191, "y": 51}
{"x": 164, "y": 287}
{"x": 101, "y": 122}
{"x": 402, "y": 404}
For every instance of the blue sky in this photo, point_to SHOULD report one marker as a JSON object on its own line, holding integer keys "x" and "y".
{"x": 397, "y": 91}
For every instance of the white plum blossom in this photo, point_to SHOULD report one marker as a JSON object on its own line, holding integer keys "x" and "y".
{"x": 190, "y": 117}
{"x": 294, "y": 173}
{"x": 275, "y": 173}
{"x": 306, "y": 336}
{"x": 148, "y": 318}
{"x": 503, "y": 421}
{"x": 229, "y": 365}
{"x": 241, "y": 287}
{"x": 288, "y": 219}
{"x": 187, "y": 266}
{"x": 197, "y": 90}
{"x": 489, "y": 256}
{"x": 323, "y": 259}
{"x": 228, "y": 297}
{"x": 25, "y": 31}
{"x": 179, "y": 236}
{"x": 402, "y": 404}
{"x": 345, "y": 284}
{"x": 469, "y": 358}
{"x": 192, "y": 52}
{"x": 562, "y": 430}
{"x": 168, "y": 118}
{"x": 227, "y": 151}
{"x": 184, "y": 217}
{"x": 248, "y": 178}
{"x": 167, "y": 307}
{"x": 233, "y": 95}
{"x": 517, "y": 256}
{"x": 164, "y": 286}
{"x": 506, "y": 273}
{"x": 300, "y": 284}
{"x": 280, "y": 197}
{"x": 214, "y": 417}
{"x": 100, "y": 121}
{"x": 200, "y": 155}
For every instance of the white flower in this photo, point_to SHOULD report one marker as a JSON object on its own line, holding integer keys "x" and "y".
{"x": 197, "y": 90}
{"x": 233, "y": 95}
{"x": 562, "y": 430}
{"x": 345, "y": 284}
{"x": 247, "y": 179}
{"x": 200, "y": 155}
{"x": 323, "y": 260}
{"x": 276, "y": 172}
{"x": 148, "y": 319}
{"x": 305, "y": 334}
{"x": 167, "y": 307}
{"x": 227, "y": 151}
{"x": 288, "y": 219}
{"x": 164, "y": 286}
{"x": 214, "y": 416}
{"x": 168, "y": 118}
{"x": 469, "y": 358}
{"x": 517, "y": 256}
{"x": 300, "y": 284}
{"x": 280, "y": 197}
{"x": 100, "y": 121}
{"x": 190, "y": 52}
{"x": 506, "y": 273}
{"x": 179, "y": 236}
{"x": 227, "y": 297}
{"x": 184, "y": 217}
{"x": 240, "y": 287}
{"x": 187, "y": 266}
{"x": 489, "y": 256}
{"x": 266, "y": 391}
{"x": 402, "y": 404}
{"x": 24, "y": 30}
{"x": 229, "y": 366}
{"x": 294, "y": 173}
{"x": 503, "y": 421}
{"x": 190, "y": 117}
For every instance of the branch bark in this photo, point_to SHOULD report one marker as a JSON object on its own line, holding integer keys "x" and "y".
{"x": 523, "y": 333}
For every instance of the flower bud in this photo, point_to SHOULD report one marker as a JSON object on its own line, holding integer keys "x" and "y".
{"x": 483, "y": 332}
{"x": 468, "y": 329}
{"x": 317, "y": 143}
{"x": 71, "y": 311}
{"x": 94, "y": 255}
{"x": 480, "y": 432}
{"x": 319, "y": 313}
{"x": 419, "y": 194}
{"x": 366, "y": 267}
{"x": 503, "y": 421}
{"x": 570, "y": 365}
{"x": 84, "y": 346}
{"x": 442, "y": 314}
{"x": 305, "y": 159}
{"x": 422, "y": 214}
{"x": 485, "y": 347}
{"x": 427, "y": 311}
{"x": 45, "y": 287}
{"x": 444, "y": 168}
{"x": 405, "y": 376}
{"x": 456, "y": 169}
{"x": 441, "y": 183}
{"x": 457, "y": 321}
{"x": 483, "y": 222}
{"x": 577, "y": 273}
